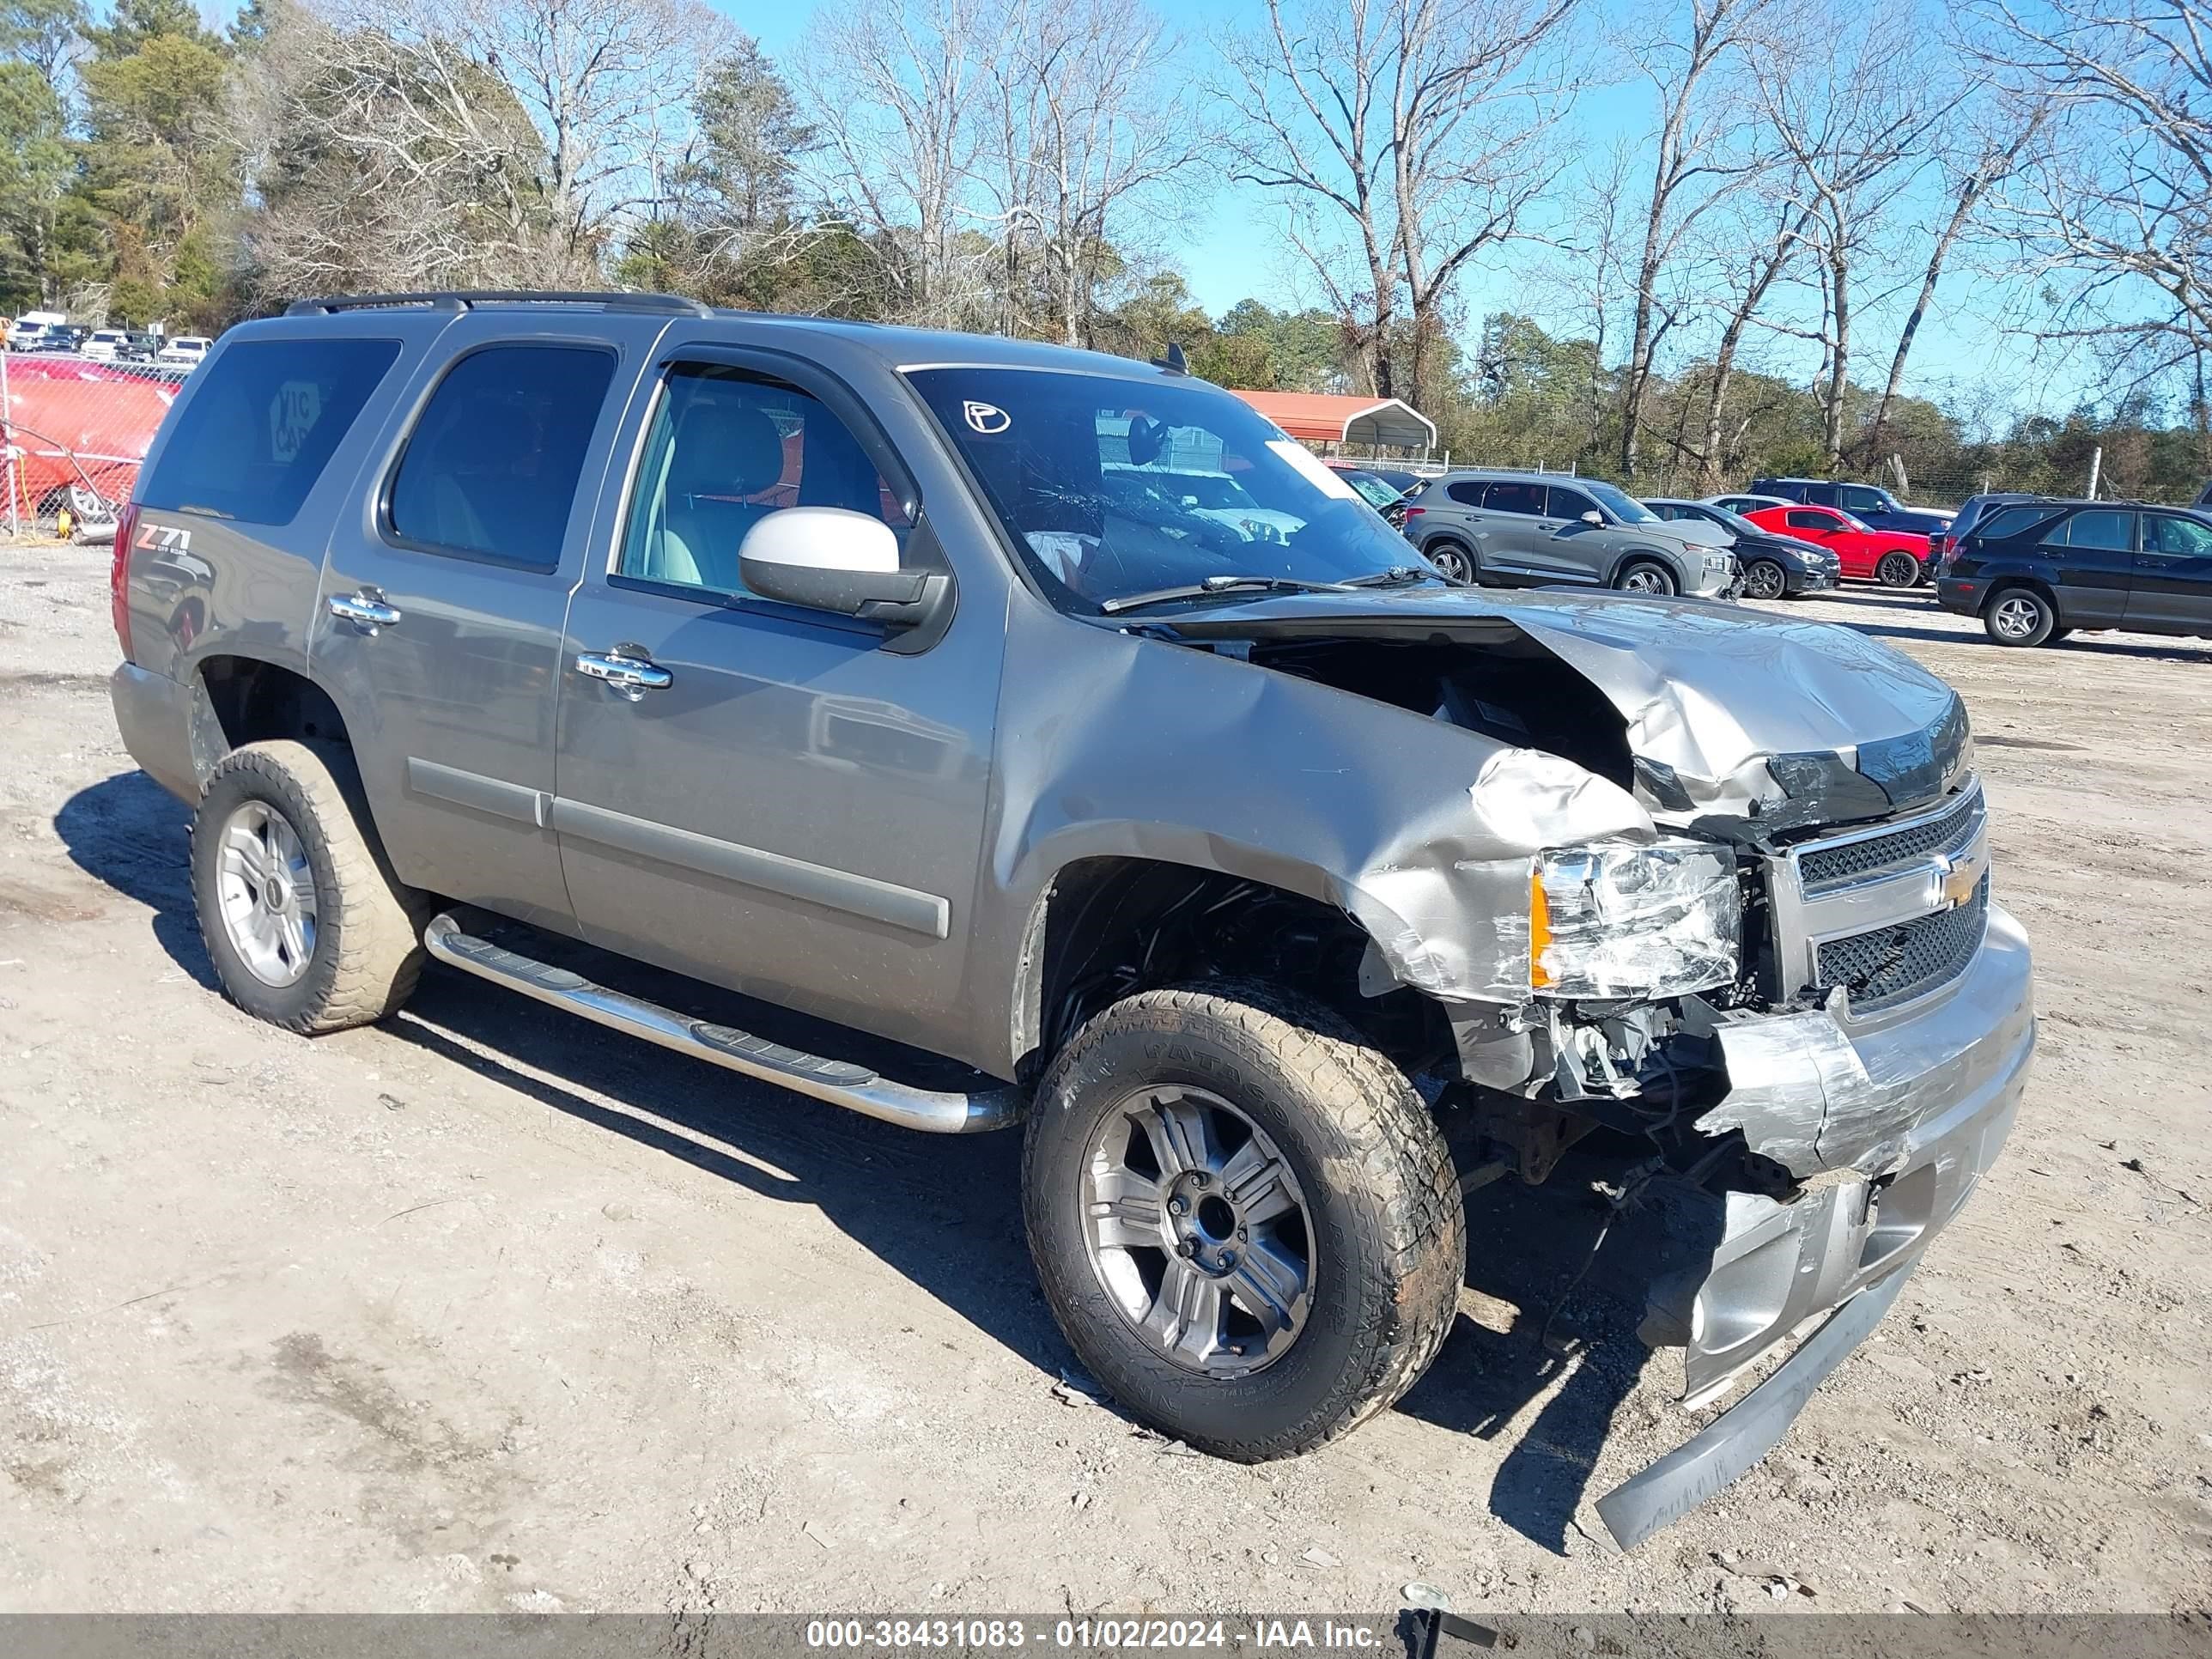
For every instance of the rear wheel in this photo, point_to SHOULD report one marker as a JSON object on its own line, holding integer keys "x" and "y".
{"x": 1244, "y": 1217}
{"x": 1645, "y": 577}
{"x": 1453, "y": 561}
{"x": 2019, "y": 616}
{"x": 1764, "y": 579}
{"x": 1897, "y": 570}
{"x": 303, "y": 921}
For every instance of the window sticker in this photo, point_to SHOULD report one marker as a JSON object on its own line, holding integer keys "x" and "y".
{"x": 987, "y": 418}
{"x": 293, "y": 413}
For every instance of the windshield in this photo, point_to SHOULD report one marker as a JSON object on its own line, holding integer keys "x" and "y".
{"x": 1736, "y": 521}
{"x": 1624, "y": 506}
{"x": 1113, "y": 488}
{"x": 1378, "y": 493}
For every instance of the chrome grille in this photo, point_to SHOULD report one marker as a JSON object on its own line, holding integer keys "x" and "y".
{"x": 1945, "y": 832}
{"x": 1894, "y": 964}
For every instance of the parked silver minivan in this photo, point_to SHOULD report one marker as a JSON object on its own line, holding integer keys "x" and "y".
{"x": 1524, "y": 530}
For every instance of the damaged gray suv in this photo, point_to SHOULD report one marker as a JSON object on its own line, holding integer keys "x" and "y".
{"x": 1287, "y": 893}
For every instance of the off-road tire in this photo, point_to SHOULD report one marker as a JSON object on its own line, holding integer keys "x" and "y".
{"x": 368, "y": 952}
{"x": 1387, "y": 1221}
{"x": 1999, "y": 608}
{"x": 1897, "y": 571}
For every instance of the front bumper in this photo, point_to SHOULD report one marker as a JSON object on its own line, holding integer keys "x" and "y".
{"x": 1810, "y": 581}
{"x": 1946, "y": 1079}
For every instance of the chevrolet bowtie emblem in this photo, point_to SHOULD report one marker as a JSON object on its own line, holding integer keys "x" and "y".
{"x": 1959, "y": 873}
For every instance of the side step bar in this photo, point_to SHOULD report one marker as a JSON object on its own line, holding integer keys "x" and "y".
{"x": 839, "y": 1082}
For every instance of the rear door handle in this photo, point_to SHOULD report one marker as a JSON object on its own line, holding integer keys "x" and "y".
{"x": 631, "y": 676}
{"x": 366, "y": 606}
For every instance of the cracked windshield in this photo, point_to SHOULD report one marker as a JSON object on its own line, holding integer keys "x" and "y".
{"x": 1117, "y": 489}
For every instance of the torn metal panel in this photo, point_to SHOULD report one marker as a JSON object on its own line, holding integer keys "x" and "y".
{"x": 1813, "y": 1093}
{"x": 1698, "y": 686}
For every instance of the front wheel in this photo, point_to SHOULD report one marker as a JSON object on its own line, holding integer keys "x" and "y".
{"x": 1244, "y": 1217}
{"x": 1764, "y": 579}
{"x": 1645, "y": 577}
{"x": 1897, "y": 570}
{"x": 2019, "y": 616}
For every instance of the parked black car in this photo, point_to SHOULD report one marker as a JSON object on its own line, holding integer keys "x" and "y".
{"x": 1774, "y": 567}
{"x": 2034, "y": 571}
{"x": 1870, "y": 504}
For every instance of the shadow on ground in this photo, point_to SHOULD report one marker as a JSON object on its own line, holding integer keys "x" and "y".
{"x": 945, "y": 1212}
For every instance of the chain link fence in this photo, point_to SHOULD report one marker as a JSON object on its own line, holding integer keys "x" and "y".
{"x": 73, "y": 432}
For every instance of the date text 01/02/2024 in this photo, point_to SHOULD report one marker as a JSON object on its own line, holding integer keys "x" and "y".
{"x": 1249, "y": 1636}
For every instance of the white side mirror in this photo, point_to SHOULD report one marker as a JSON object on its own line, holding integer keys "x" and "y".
{"x": 821, "y": 538}
{"x": 830, "y": 558}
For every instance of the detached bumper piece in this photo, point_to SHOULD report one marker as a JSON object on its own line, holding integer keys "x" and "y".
{"x": 1729, "y": 1445}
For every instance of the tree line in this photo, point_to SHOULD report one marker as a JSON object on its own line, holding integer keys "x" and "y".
{"x": 1733, "y": 217}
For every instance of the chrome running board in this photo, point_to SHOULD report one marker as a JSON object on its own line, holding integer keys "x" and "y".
{"x": 839, "y": 1082}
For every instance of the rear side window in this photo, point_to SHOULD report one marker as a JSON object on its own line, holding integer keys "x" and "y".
{"x": 1504, "y": 498}
{"x": 1820, "y": 494}
{"x": 1466, "y": 492}
{"x": 491, "y": 468}
{"x": 2006, "y": 522}
{"x": 262, "y": 424}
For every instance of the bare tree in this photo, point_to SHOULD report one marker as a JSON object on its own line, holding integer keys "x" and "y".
{"x": 1750, "y": 253}
{"x": 1847, "y": 102}
{"x": 1697, "y": 158}
{"x": 1408, "y": 136}
{"x": 2001, "y": 130}
{"x": 2113, "y": 200}
{"x": 898, "y": 92}
{"x": 454, "y": 140}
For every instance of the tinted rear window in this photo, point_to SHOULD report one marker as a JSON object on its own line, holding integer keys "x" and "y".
{"x": 492, "y": 465}
{"x": 262, "y": 424}
{"x": 2005, "y": 522}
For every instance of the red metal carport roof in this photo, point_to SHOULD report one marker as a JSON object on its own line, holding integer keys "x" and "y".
{"x": 1325, "y": 417}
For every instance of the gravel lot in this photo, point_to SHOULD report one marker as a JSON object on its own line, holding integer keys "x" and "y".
{"x": 487, "y": 1309}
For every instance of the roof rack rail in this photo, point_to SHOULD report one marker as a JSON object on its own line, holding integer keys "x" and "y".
{"x": 468, "y": 299}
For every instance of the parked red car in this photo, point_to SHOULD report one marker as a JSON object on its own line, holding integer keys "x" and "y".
{"x": 1895, "y": 558}
{"x": 73, "y": 433}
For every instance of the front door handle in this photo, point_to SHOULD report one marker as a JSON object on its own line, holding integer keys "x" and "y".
{"x": 366, "y": 606}
{"x": 630, "y": 677}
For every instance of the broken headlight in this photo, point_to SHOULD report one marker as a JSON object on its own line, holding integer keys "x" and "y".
{"x": 1627, "y": 919}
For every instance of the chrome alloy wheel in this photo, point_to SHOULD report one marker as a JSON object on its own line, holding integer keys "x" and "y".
{"x": 1646, "y": 579}
{"x": 1197, "y": 1231}
{"x": 2015, "y": 616}
{"x": 267, "y": 893}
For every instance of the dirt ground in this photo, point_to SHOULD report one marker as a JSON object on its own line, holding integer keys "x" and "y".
{"x": 489, "y": 1310}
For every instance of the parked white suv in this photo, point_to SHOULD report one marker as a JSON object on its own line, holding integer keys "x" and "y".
{"x": 187, "y": 349}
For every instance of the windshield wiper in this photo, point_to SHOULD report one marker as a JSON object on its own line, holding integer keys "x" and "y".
{"x": 1396, "y": 577}
{"x": 1199, "y": 590}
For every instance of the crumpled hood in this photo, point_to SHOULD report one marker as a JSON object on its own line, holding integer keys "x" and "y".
{"x": 1711, "y": 694}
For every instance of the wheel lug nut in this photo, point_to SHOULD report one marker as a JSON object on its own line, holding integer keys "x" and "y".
{"x": 1201, "y": 1180}
{"x": 1229, "y": 1257}
{"x": 1188, "y": 1247}
{"x": 1176, "y": 1206}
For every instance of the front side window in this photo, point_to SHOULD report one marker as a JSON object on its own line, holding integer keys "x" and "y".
{"x": 2186, "y": 538}
{"x": 1569, "y": 504}
{"x": 1861, "y": 498}
{"x": 1802, "y": 518}
{"x": 261, "y": 427}
{"x": 1111, "y": 488}
{"x": 725, "y": 449}
{"x": 491, "y": 468}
